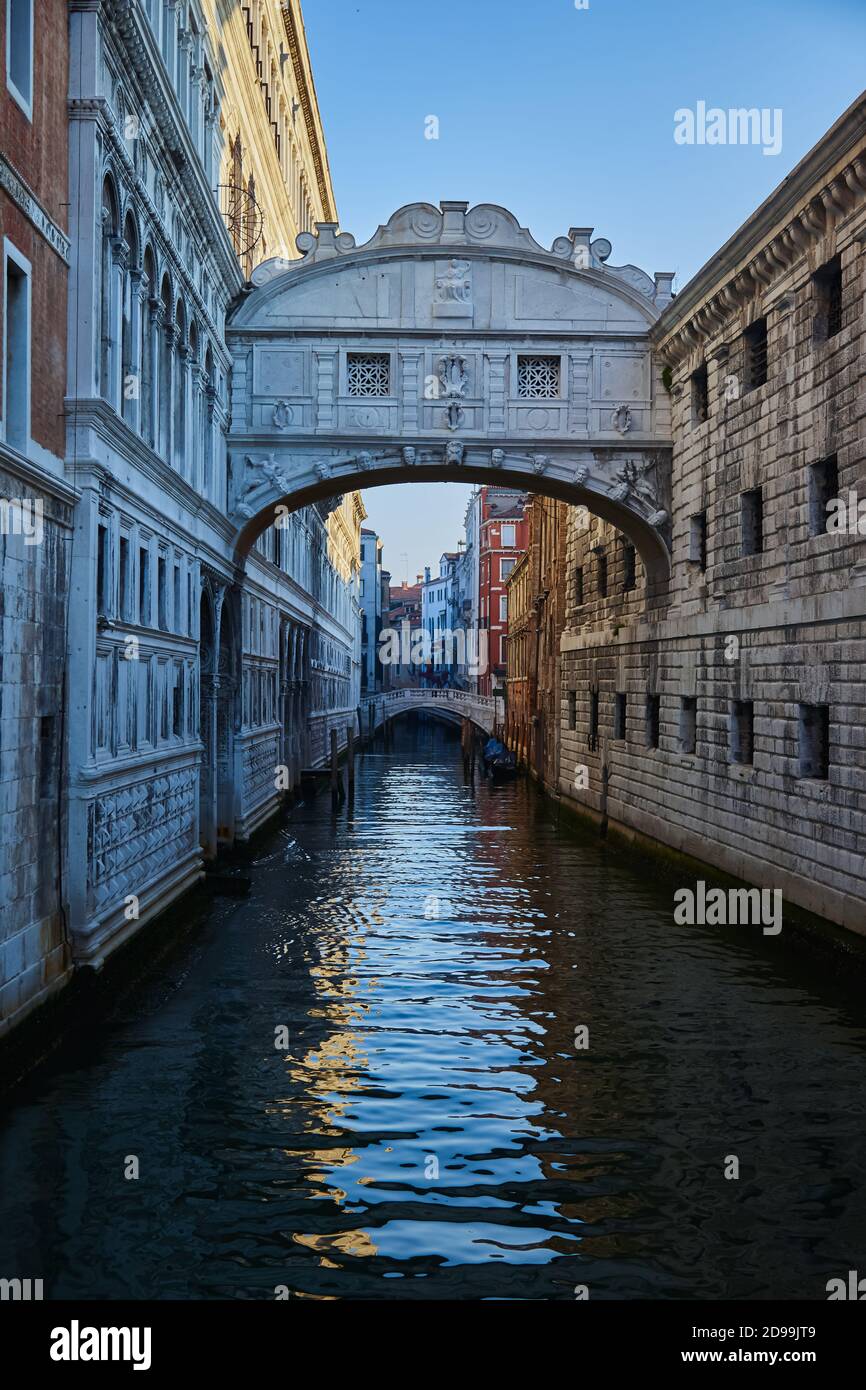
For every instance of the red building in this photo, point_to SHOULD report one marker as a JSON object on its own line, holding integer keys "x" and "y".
{"x": 34, "y": 228}
{"x": 36, "y": 500}
{"x": 502, "y": 539}
{"x": 405, "y": 607}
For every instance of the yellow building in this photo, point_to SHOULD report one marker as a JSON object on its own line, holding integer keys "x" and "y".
{"x": 273, "y": 172}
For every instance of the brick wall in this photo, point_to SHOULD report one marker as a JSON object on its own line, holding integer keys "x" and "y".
{"x": 37, "y": 149}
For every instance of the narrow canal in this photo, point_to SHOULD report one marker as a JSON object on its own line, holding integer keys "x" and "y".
{"x": 429, "y": 1129}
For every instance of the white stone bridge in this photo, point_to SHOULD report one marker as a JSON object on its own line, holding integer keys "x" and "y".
{"x": 484, "y": 711}
{"x": 451, "y": 346}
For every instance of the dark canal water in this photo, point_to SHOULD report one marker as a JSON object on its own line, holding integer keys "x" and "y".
{"x": 430, "y": 1130}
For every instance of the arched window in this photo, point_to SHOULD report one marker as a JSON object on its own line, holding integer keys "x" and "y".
{"x": 207, "y": 483}
{"x": 130, "y": 379}
{"x": 180, "y": 388}
{"x": 149, "y": 347}
{"x": 166, "y": 336}
{"x": 236, "y": 193}
{"x": 196, "y": 398}
{"x": 250, "y": 227}
{"x": 107, "y": 339}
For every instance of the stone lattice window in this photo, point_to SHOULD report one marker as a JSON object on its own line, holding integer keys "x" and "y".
{"x": 368, "y": 373}
{"x": 538, "y": 378}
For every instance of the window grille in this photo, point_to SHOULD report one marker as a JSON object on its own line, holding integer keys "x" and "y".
{"x": 368, "y": 374}
{"x": 538, "y": 378}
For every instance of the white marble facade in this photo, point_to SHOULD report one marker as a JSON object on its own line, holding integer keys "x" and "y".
{"x": 452, "y": 345}
{"x": 199, "y": 688}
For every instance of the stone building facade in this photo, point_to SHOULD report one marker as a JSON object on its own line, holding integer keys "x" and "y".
{"x": 728, "y": 721}
{"x": 536, "y": 590}
{"x": 197, "y": 687}
{"x": 36, "y": 503}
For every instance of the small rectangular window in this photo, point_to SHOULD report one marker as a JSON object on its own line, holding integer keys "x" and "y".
{"x": 592, "y": 740}
{"x": 742, "y": 732}
{"x": 828, "y": 300}
{"x": 368, "y": 374}
{"x": 752, "y": 521}
{"x": 602, "y": 574}
{"x": 505, "y": 568}
{"x": 578, "y": 586}
{"x": 653, "y": 720}
{"x": 572, "y": 709}
{"x": 177, "y": 703}
{"x": 123, "y": 578}
{"x": 815, "y": 741}
{"x": 102, "y": 571}
{"x": 503, "y": 608}
{"x": 16, "y": 355}
{"x": 698, "y": 540}
{"x": 144, "y": 586}
{"x": 508, "y": 535}
{"x": 178, "y": 610}
{"x": 162, "y": 618}
{"x": 620, "y": 712}
{"x": 823, "y": 489}
{"x": 688, "y": 723}
{"x": 537, "y": 378}
{"x": 19, "y": 51}
{"x": 700, "y": 395}
{"x": 756, "y": 354}
{"x": 629, "y": 568}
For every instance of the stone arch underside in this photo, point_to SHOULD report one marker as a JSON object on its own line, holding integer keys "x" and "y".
{"x": 451, "y": 347}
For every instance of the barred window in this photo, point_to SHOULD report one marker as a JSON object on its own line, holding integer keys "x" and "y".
{"x": 538, "y": 378}
{"x": 368, "y": 373}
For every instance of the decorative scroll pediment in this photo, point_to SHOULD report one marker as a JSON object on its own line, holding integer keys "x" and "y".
{"x": 454, "y": 224}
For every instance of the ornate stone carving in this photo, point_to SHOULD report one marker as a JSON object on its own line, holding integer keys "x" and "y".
{"x": 410, "y": 455}
{"x": 631, "y": 480}
{"x": 261, "y": 477}
{"x": 452, "y": 291}
{"x": 453, "y": 377}
{"x": 454, "y": 452}
{"x": 540, "y": 463}
{"x": 283, "y": 415}
{"x": 621, "y": 419}
{"x": 454, "y": 416}
{"x": 497, "y": 457}
{"x": 581, "y": 473}
{"x": 322, "y": 469}
{"x": 364, "y": 461}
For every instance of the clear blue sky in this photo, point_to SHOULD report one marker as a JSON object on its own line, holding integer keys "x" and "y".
{"x": 566, "y": 117}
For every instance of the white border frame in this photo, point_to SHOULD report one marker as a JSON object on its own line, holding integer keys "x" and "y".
{"x": 11, "y": 253}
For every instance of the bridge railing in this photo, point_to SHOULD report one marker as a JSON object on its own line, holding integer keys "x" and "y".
{"x": 468, "y": 697}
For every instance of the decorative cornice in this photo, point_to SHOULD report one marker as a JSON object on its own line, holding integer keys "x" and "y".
{"x": 135, "y": 33}
{"x": 309, "y": 107}
{"x": 821, "y": 191}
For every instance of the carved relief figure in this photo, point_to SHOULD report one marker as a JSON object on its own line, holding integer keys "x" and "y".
{"x": 261, "y": 477}
{"x": 409, "y": 455}
{"x": 631, "y": 480}
{"x": 454, "y": 451}
{"x": 454, "y": 286}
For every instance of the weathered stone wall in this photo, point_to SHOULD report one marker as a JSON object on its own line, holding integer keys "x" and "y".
{"x": 782, "y": 629}
{"x": 34, "y": 581}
